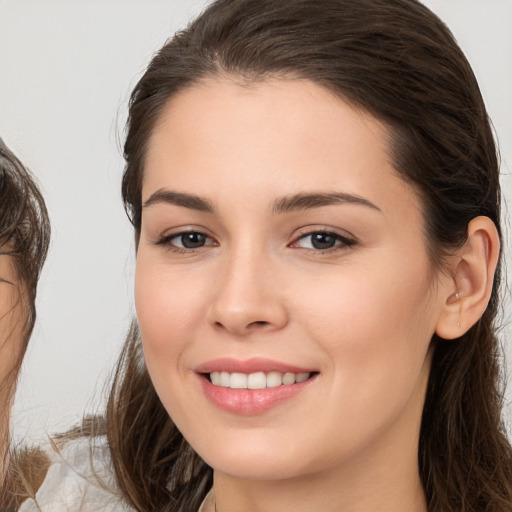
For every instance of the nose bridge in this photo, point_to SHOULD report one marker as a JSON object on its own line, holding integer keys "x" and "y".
{"x": 247, "y": 297}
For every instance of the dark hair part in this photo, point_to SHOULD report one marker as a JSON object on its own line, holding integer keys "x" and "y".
{"x": 396, "y": 60}
{"x": 24, "y": 239}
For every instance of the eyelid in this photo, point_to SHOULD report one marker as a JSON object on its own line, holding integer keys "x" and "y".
{"x": 345, "y": 239}
{"x": 165, "y": 239}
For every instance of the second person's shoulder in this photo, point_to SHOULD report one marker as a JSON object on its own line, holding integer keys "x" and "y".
{"x": 80, "y": 479}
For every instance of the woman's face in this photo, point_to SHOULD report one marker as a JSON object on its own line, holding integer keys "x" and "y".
{"x": 11, "y": 329}
{"x": 279, "y": 244}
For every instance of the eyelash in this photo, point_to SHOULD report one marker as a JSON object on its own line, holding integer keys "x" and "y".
{"x": 341, "y": 241}
{"x": 166, "y": 241}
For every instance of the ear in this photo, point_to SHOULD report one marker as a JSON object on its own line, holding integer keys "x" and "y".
{"x": 474, "y": 266}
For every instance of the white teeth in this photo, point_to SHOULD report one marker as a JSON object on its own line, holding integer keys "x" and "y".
{"x": 288, "y": 378}
{"x": 238, "y": 381}
{"x": 301, "y": 377}
{"x": 224, "y": 379}
{"x": 274, "y": 379}
{"x": 258, "y": 380}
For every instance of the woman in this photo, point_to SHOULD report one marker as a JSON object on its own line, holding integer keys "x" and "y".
{"x": 314, "y": 190}
{"x": 24, "y": 238}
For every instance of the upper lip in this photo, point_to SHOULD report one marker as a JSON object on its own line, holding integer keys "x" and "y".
{"x": 253, "y": 365}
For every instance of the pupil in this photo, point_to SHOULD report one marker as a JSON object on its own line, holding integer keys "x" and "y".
{"x": 193, "y": 240}
{"x": 322, "y": 241}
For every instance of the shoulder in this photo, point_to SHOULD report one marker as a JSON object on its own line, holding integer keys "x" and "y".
{"x": 80, "y": 479}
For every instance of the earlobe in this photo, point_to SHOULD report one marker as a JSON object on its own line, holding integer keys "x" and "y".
{"x": 473, "y": 277}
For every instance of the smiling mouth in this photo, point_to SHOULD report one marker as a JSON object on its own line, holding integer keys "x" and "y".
{"x": 257, "y": 380}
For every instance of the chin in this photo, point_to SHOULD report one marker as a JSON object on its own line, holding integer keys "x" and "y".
{"x": 254, "y": 468}
{"x": 253, "y": 461}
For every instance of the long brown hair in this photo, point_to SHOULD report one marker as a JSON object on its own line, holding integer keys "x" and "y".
{"x": 24, "y": 239}
{"x": 396, "y": 60}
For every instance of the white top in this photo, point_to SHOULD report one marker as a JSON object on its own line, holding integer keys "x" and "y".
{"x": 81, "y": 479}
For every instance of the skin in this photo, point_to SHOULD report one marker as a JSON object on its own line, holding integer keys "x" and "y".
{"x": 11, "y": 335}
{"x": 362, "y": 315}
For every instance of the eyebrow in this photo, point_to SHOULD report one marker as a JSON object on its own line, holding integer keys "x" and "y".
{"x": 287, "y": 204}
{"x": 179, "y": 199}
{"x": 308, "y": 201}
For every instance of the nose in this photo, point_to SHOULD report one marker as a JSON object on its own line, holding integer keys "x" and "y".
{"x": 248, "y": 298}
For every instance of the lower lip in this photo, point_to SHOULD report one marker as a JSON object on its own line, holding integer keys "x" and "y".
{"x": 251, "y": 401}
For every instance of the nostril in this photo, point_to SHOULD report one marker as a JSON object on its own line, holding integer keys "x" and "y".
{"x": 258, "y": 324}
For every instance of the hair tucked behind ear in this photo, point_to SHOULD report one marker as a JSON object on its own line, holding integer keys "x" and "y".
{"x": 399, "y": 62}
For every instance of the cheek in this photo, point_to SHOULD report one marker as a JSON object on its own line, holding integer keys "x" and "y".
{"x": 375, "y": 323}
{"x": 161, "y": 309}
{"x": 163, "y": 315}
{"x": 170, "y": 304}
{"x": 12, "y": 321}
{"x": 376, "y": 329}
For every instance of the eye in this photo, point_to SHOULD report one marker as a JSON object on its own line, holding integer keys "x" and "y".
{"x": 187, "y": 240}
{"x": 322, "y": 241}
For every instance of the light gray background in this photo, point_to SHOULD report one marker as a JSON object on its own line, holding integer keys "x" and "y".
{"x": 66, "y": 70}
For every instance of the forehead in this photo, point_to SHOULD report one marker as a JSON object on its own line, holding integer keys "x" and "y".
{"x": 298, "y": 107}
{"x": 294, "y": 133}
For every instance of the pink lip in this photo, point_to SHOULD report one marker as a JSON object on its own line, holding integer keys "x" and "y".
{"x": 250, "y": 401}
{"x": 256, "y": 364}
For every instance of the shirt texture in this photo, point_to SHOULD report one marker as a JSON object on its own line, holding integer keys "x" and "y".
{"x": 81, "y": 479}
